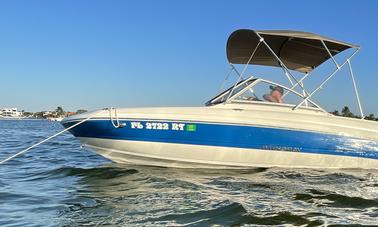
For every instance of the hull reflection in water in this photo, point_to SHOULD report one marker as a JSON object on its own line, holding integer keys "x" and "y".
{"x": 167, "y": 196}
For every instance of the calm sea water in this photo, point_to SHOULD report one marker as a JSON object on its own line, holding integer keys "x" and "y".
{"x": 62, "y": 184}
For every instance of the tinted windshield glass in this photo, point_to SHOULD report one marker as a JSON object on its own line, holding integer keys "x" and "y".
{"x": 224, "y": 95}
{"x": 240, "y": 87}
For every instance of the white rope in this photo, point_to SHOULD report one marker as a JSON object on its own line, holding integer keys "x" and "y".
{"x": 118, "y": 125}
{"x": 55, "y": 135}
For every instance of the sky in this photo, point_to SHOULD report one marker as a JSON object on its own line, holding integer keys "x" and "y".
{"x": 88, "y": 54}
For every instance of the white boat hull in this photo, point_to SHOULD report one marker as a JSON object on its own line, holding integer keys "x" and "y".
{"x": 234, "y": 136}
{"x": 195, "y": 156}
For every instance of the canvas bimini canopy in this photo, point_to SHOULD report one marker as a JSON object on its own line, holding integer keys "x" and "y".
{"x": 298, "y": 51}
{"x": 290, "y": 50}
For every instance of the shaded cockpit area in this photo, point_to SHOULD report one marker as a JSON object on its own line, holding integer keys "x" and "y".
{"x": 257, "y": 90}
{"x": 293, "y": 51}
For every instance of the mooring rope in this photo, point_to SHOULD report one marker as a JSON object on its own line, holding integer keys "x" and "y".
{"x": 118, "y": 125}
{"x": 55, "y": 135}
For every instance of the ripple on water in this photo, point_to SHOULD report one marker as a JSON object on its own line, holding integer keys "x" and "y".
{"x": 62, "y": 184}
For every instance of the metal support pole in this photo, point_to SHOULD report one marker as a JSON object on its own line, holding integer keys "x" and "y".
{"x": 241, "y": 74}
{"x": 237, "y": 72}
{"x": 250, "y": 59}
{"x": 329, "y": 52}
{"x": 355, "y": 88}
{"x": 287, "y": 76}
{"x": 304, "y": 95}
{"x": 225, "y": 80}
{"x": 296, "y": 84}
{"x": 278, "y": 59}
{"x": 325, "y": 81}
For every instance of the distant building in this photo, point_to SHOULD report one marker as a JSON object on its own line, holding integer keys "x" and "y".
{"x": 47, "y": 113}
{"x": 10, "y": 113}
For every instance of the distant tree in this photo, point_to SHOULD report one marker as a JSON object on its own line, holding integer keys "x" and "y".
{"x": 59, "y": 112}
{"x": 28, "y": 114}
{"x": 370, "y": 117}
{"x": 346, "y": 112}
{"x": 38, "y": 115}
{"x": 336, "y": 112}
{"x": 81, "y": 111}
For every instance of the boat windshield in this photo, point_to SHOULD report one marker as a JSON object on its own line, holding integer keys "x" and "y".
{"x": 260, "y": 90}
{"x": 223, "y": 96}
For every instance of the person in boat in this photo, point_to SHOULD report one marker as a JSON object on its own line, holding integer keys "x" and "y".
{"x": 276, "y": 93}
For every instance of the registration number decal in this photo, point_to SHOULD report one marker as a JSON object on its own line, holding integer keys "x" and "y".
{"x": 163, "y": 126}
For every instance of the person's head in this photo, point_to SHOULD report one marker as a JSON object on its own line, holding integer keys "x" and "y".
{"x": 276, "y": 90}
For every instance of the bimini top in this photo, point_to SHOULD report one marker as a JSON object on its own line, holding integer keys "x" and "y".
{"x": 299, "y": 51}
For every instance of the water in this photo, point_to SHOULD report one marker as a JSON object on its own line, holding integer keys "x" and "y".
{"x": 61, "y": 184}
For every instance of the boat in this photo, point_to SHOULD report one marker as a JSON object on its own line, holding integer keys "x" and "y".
{"x": 11, "y": 114}
{"x": 246, "y": 125}
{"x": 58, "y": 119}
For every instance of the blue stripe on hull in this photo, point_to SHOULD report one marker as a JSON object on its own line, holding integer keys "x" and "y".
{"x": 232, "y": 136}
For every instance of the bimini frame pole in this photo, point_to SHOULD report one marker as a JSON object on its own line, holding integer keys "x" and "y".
{"x": 281, "y": 63}
{"x": 326, "y": 80}
{"x": 245, "y": 68}
{"x": 304, "y": 94}
{"x": 355, "y": 88}
{"x": 232, "y": 68}
{"x": 287, "y": 75}
{"x": 329, "y": 53}
{"x": 237, "y": 72}
{"x": 296, "y": 84}
{"x": 307, "y": 74}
